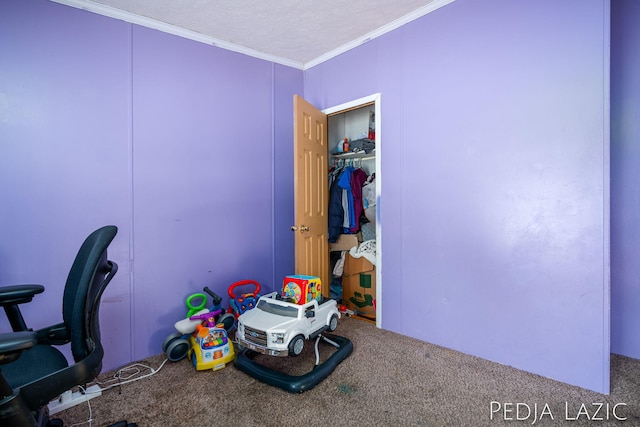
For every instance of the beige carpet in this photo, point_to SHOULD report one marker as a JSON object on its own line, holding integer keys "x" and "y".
{"x": 389, "y": 380}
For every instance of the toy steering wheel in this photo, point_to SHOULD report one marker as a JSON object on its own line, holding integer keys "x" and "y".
{"x": 242, "y": 283}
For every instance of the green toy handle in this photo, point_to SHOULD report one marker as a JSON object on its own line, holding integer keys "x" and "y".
{"x": 193, "y": 309}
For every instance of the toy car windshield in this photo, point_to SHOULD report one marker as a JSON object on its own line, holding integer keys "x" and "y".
{"x": 280, "y": 310}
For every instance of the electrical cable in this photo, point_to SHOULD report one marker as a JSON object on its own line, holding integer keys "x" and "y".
{"x": 131, "y": 377}
{"x": 90, "y": 420}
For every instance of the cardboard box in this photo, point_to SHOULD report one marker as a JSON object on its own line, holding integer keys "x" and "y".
{"x": 345, "y": 242}
{"x": 359, "y": 286}
{"x": 359, "y": 293}
{"x": 356, "y": 265}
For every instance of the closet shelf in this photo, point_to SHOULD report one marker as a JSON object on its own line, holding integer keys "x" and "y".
{"x": 352, "y": 155}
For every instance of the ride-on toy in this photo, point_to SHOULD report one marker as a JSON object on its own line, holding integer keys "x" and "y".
{"x": 176, "y": 345}
{"x": 210, "y": 346}
{"x": 243, "y": 302}
{"x": 279, "y": 326}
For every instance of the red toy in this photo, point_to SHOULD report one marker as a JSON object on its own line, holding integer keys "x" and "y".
{"x": 344, "y": 310}
{"x": 243, "y": 302}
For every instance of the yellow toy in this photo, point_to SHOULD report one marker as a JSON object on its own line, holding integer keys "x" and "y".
{"x": 210, "y": 346}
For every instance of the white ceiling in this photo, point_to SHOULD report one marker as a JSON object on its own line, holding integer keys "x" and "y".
{"x": 299, "y": 33}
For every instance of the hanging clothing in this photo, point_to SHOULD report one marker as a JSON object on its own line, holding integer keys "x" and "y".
{"x": 358, "y": 177}
{"x": 336, "y": 213}
{"x": 346, "y": 209}
{"x": 344, "y": 182}
{"x": 345, "y": 201}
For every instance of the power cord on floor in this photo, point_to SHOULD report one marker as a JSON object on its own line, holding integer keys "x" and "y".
{"x": 131, "y": 371}
{"x": 90, "y": 420}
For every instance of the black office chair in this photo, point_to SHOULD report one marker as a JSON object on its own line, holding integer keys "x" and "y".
{"x": 32, "y": 371}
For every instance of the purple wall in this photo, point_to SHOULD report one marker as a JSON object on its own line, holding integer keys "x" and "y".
{"x": 182, "y": 145}
{"x": 201, "y": 176}
{"x": 625, "y": 177}
{"x": 494, "y": 179}
{"x": 287, "y": 82}
{"x": 64, "y": 153}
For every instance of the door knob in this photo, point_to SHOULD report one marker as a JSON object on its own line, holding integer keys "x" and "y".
{"x": 302, "y": 228}
{"x": 294, "y": 228}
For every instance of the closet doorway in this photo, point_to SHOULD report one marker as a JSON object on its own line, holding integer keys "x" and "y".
{"x": 318, "y": 149}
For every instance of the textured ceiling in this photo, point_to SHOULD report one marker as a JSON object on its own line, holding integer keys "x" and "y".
{"x": 298, "y": 31}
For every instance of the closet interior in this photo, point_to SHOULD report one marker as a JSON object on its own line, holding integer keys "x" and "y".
{"x": 352, "y": 208}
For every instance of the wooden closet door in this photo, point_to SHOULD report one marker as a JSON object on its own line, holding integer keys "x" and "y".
{"x": 311, "y": 192}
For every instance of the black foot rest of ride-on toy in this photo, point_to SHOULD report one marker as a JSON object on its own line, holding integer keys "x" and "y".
{"x": 296, "y": 383}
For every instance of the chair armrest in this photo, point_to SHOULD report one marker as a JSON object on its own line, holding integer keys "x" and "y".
{"x": 14, "y": 343}
{"x": 10, "y": 299}
{"x": 19, "y": 294}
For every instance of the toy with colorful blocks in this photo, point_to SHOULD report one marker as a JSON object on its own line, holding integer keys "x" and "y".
{"x": 176, "y": 346}
{"x": 210, "y": 346}
{"x": 301, "y": 289}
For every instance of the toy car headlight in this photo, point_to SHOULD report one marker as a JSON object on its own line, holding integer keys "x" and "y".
{"x": 278, "y": 337}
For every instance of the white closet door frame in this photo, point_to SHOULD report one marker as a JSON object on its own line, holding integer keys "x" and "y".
{"x": 375, "y": 98}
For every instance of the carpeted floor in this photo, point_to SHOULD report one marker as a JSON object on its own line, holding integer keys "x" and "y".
{"x": 389, "y": 380}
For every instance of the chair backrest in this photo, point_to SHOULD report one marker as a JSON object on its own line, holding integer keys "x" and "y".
{"x": 88, "y": 277}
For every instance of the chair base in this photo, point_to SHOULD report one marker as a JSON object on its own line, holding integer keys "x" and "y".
{"x": 15, "y": 413}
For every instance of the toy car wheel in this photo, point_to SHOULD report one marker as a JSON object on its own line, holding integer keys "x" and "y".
{"x": 177, "y": 349}
{"x": 228, "y": 320}
{"x": 194, "y": 360}
{"x": 333, "y": 322}
{"x": 169, "y": 339}
{"x": 296, "y": 345}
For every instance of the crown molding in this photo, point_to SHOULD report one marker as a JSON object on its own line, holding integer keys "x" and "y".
{"x": 132, "y": 18}
{"x": 418, "y": 13}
